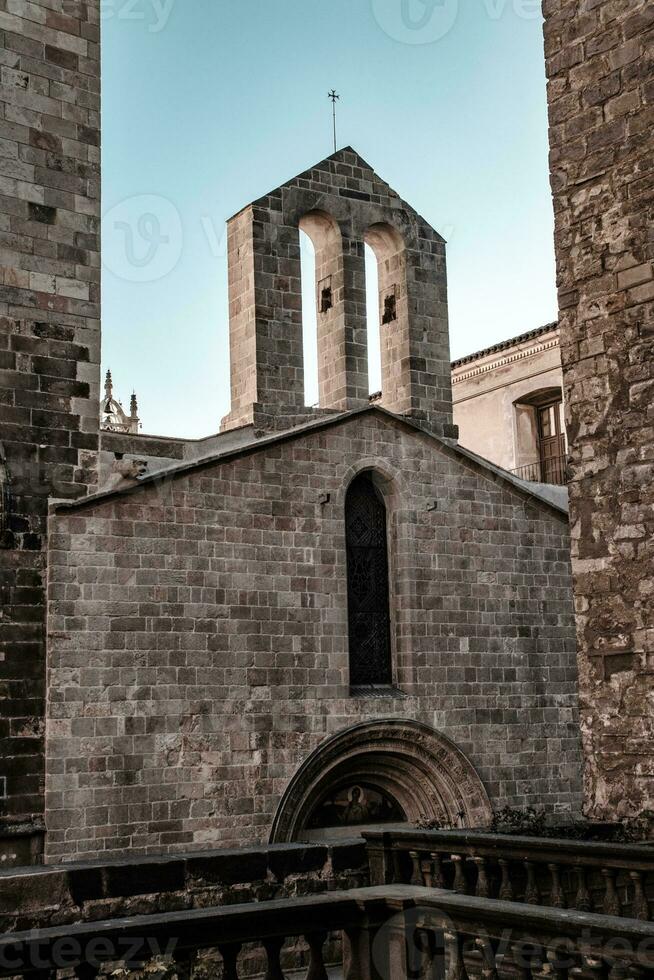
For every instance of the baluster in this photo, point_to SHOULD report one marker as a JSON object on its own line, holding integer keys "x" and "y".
{"x": 460, "y": 884}
{"x": 557, "y": 895}
{"x": 537, "y": 965}
{"x": 273, "y": 948}
{"x": 437, "y": 876}
{"x": 558, "y": 964}
{"x": 408, "y": 950}
{"x": 611, "y": 903}
{"x": 230, "y": 953}
{"x": 506, "y": 887}
{"x": 625, "y": 971}
{"x": 532, "y": 892}
{"x": 455, "y": 967}
{"x": 397, "y": 868}
{"x": 357, "y": 954}
{"x": 87, "y": 971}
{"x": 522, "y": 956}
{"x": 482, "y": 889}
{"x": 488, "y": 961}
{"x": 519, "y": 963}
{"x": 416, "y": 869}
{"x": 593, "y": 968}
{"x": 432, "y": 946}
{"x": 315, "y": 942}
{"x": 583, "y": 901}
{"x": 640, "y": 905}
{"x": 183, "y": 960}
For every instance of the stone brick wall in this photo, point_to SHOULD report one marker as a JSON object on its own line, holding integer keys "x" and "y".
{"x": 49, "y": 337}
{"x": 341, "y": 203}
{"x": 159, "y": 452}
{"x": 198, "y": 636}
{"x": 493, "y": 396}
{"x": 600, "y": 58}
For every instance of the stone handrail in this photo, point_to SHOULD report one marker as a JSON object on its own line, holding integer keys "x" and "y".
{"x": 615, "y": 879}
{"x": 121, "y": 887}
{"x": 390, "y": 932}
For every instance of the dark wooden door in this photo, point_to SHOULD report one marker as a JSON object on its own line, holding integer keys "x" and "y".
{"x": 367, "y": 584}
{"x": 552, "y": 443}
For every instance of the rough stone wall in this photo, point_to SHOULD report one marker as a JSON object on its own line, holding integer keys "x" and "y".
{"x": 198, "y": 637}
{"x": 600, "y": 57}
{"x": 267, "y": 375}
{"x": 49, "y": 336}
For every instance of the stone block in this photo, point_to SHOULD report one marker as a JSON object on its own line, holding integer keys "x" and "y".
{"x": 141, "y": 878}
{"x": 229, "y": 867}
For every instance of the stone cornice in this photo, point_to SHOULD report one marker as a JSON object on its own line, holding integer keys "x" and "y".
{"x": 508, "y": 358}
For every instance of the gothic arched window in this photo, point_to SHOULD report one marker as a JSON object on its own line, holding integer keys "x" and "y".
{"x": 367, "y": 584}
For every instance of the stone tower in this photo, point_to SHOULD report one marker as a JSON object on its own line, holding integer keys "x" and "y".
{"x": 341, "y": 204}
{"x": 600, "y": 61}
{"x": 50, "y": 330}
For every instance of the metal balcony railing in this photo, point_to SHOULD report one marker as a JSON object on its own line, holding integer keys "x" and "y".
{"x": 555, "y": 471}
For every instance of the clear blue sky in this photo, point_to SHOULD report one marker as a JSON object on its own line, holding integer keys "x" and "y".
{"x": 208, "y": 104}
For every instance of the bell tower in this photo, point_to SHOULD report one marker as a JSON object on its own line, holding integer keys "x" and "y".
{"x": 341, "y": 203}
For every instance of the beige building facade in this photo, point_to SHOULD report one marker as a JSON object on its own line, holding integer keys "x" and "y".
{"x": 508, "y": 405}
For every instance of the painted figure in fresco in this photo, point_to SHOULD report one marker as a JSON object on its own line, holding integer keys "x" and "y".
{"x": 357, "y": 810}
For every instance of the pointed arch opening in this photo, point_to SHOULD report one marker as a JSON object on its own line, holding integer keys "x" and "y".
{"x": 368, "y": 590}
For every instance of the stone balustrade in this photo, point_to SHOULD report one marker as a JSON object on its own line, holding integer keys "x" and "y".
{"x": 440, "y": 904}
{"x": 612, "y": 879}
{"x": 389, "y": 932}
{"x": 94, "y": 890}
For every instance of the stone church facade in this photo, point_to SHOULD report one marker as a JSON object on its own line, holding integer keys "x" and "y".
{"x": 335, "y": 606}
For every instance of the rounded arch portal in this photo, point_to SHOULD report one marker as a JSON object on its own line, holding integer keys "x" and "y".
{"x": 412, "y": 766}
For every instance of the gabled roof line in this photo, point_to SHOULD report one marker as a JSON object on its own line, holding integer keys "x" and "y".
{"x": 336, "y": 157}
{"x": 452, "y": 449}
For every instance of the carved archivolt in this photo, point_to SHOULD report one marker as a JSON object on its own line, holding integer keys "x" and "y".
{"x": 416, "y": 765}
